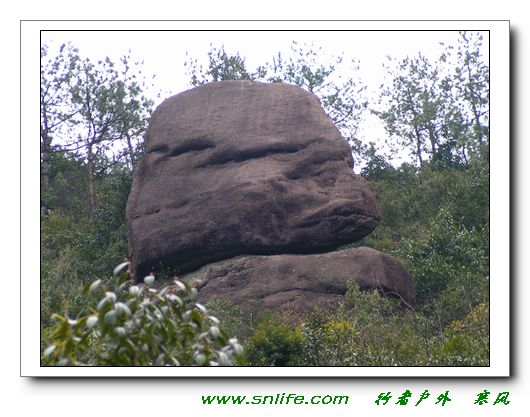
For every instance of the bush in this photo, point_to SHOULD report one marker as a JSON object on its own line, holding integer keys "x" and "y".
{"x": 448, "y": 252}
{"x": 139, "y": 325}
{"x": 467, "y": 341}
{"x": 368, "y": 330}
{"x": 274, "y": 343}
{"x": 235, "y": 322}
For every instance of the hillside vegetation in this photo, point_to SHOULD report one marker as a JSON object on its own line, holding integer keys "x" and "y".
{"x": 434, "y": 209}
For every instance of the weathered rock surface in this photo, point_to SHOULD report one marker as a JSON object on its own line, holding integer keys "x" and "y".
{"x": 298, "y": 283}
{"x": 238, "y": 167}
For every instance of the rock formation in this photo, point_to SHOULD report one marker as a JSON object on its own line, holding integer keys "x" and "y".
{"x": 297, "y": 283}
{"x": 242, "y": 168}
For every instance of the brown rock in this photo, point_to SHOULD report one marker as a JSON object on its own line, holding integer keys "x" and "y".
{"x": 298, "y": 283}
{"x": 238, "y": 167}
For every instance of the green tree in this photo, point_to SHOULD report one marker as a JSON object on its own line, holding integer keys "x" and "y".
{"x": 111, "y": 110}
{"x": 415, "y": 110}
{"x": 57, "y": 74}
{"x": 440, "y": 110}
{"x": 471, "y": 81}
{"x": 96, "y": 110}
{"x": 221, "y": 67}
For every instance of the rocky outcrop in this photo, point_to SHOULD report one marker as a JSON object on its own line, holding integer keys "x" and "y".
{"x": 258, "y": 177}
{"x": 238, "y": 167}
{"x": 298, "y": 283}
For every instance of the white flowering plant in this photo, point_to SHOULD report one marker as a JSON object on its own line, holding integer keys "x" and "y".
{"x": 140, "y": 325}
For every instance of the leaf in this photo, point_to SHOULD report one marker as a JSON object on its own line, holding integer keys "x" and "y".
{"x": 120, "y": 268}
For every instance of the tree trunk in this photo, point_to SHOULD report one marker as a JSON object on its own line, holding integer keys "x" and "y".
{"x": 476, "y": 116}
{"x": 418, "y": 146}
{"x": 90, "y": 168}
{"x": 44, "y": 169}
{"x": 45, "y": 143}
{"x": 434, "y": 141}
{"x": 131, "y": 152}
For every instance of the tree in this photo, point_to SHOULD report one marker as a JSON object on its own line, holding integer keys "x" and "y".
{"x": 415, "y": 110}
{"x": 471, "y": 80}
{"x": 221, "y": 66}
{"x": 111, "y": 110}
{"x": 57, "y": 75}
{"x": 94, "y": 109}
{"x": 439, "y": 110}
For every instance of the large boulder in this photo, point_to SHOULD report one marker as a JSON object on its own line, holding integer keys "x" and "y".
{"x": 299, "y": 283}
{"x": 238, "y": 167}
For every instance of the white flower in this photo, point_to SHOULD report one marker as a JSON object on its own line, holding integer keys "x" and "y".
{"x": 111, "y": 296}
{"x": 122, "y": 309}
{"x": 180, "y": 285}
{"x": 176, "y": 299}
{"x": 110, "y": 317}
{"x": 193, "y": 294}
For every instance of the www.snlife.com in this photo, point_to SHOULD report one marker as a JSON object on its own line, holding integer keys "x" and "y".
{"x": 278, "y": 399}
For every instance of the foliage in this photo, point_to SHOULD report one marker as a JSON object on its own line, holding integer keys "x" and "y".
{"x": 370, "y": 330}
{"x": 467, "y": 341}
{"x": 96, "y": 110}
{"x": 221, "y": 66}
{"x": 141, "y": 326}
{"x": 234, "y": 320}
{"x": 274, "y": 343}
{"x": 57, "y": 76}
{"x": 439, "y": 111}
{"x": 446, "y": 253}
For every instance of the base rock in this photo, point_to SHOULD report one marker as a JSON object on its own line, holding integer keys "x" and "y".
{"x": 298, "y": 283}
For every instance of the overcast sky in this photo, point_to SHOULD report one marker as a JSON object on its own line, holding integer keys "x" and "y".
{"x": 163, "y": 53}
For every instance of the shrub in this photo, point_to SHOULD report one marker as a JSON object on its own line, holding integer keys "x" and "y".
{"x": 235, "y": 321}
{"x": 139, "y": 325}
{"x": 274, "y": 343}
{"x": 467, "y": 341}
{"x": 368, "y": 330}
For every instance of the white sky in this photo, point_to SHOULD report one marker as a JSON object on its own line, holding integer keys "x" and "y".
{"x": 164, "y": 53}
